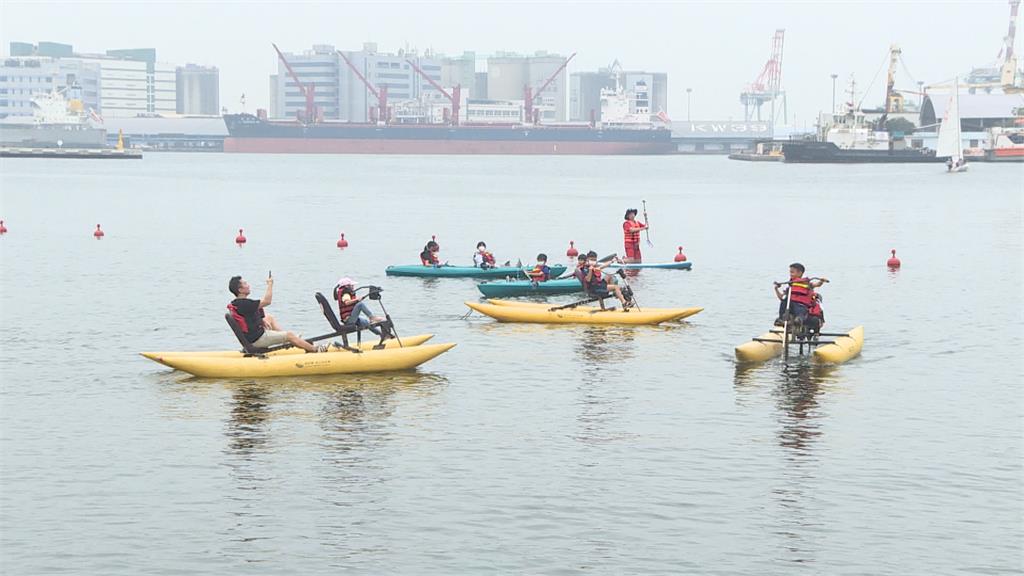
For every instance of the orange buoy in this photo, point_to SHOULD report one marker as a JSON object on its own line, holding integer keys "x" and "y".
{"x": 893, "y": 262}
{"x": 572, "y": 252}
{"x": 342, "y": 243}
{"x": 680, "y": 257}
{"x": 98, "y": 233}
{"x": 3, "y": 229}
{"x": 240, "y": 239}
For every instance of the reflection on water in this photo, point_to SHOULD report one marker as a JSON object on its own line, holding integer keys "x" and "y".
{"x": 796, "y": 393}
{"x": 247, "y": 426}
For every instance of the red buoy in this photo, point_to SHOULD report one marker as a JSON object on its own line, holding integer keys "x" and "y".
{"x": 342, "y": 243}
{"x": 433, "y": 238}
{"x": 240, "y": 239}
{"x": 98, "y": 233}
{"x": 680, "y": 257}
{"x": 3, "y": 229}
{"x": 893, "y": 262}
{"x": 572, "y": 252}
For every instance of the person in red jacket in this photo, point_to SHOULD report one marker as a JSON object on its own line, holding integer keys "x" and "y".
{"x": 631, "y": 232}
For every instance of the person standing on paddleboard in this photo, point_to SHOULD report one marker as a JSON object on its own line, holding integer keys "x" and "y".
{"x": 631, "y": 229}
{"x": 260, "y": 328}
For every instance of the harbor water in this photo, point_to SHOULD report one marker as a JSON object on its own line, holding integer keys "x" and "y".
{"x": 527, "y": 449}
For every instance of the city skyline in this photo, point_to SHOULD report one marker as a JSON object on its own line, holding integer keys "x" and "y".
{"x": 730, "y": 44}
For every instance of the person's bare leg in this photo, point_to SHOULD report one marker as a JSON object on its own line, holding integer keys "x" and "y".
{"x": 300, "y": 342}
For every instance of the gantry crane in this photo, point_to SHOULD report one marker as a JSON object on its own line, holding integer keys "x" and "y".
{"x": 767, "y": 87}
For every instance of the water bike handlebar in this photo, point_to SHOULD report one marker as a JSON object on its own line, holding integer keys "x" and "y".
{"x": 789, "y": 282}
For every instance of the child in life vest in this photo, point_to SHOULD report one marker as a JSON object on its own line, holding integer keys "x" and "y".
{"x": 540, "y": 271}
{"x": 800, "y": 292}
{"x": 429, "y": 255}
{"x": 482, "y": 258}
{"x": 352, "y": 309}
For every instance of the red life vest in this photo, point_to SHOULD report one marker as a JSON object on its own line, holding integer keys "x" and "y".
{"x": 345, "y": 307}
{"x": 595, "y": 279}
{"x": 540, "y": 273}
{"x": 238, "y": 318}
{"x": 429, "y": 258}
{"x": 800, "y": 292}
{"x": 631, "y": 231}
{"x": 488, "y": 258}
{"x": 815, "y": 307}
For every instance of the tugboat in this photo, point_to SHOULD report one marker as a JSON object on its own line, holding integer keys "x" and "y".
{"x": 852, "y": 140}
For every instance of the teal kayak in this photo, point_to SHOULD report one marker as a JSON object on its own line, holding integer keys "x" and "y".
{"x": 446, "y": 271}
{"x": 658, "y": 266}
{"x": 506, "y": 288}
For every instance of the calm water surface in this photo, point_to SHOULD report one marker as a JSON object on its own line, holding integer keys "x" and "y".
{"x": 526, "y": 449}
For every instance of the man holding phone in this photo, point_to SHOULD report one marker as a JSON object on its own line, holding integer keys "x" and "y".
{"x": 259, "y": 327}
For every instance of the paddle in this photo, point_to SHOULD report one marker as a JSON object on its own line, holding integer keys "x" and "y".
{"x": 647, "y": 224}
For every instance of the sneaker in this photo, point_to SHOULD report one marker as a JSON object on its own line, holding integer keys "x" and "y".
{"x": 321, "y": 348}
{"x": 778, "y": 322}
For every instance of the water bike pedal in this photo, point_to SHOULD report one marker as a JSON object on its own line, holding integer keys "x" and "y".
{"x": 344, "y": 346}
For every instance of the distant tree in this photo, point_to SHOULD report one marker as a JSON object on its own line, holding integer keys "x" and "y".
{"x": 900, "y": 125}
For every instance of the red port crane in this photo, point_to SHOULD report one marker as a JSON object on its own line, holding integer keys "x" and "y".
{"x": 530, "y": 95}
{"x": 382, "y": 115}
{"x": 307, "y": 90}
{"x": 453, "y": 97}
{"x": 768, "y": 84}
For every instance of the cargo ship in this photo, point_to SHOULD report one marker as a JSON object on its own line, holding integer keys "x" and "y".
{"x": 56, "y": 122}
{"x": 250, "y": 133}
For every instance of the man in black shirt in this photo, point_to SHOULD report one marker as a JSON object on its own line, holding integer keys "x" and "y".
{"x": 259, "y": 327}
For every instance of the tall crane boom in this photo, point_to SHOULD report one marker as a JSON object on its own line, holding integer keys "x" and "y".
{"x": 381, "y": 94}
{"x": 307, "y": 91}
{"x": 453, "y": 97}
{"x": 530, "y": 95}
{"x": 1009, "y": 70}
{"x": 767, "y": 87}
{"x": 893, "y": 100}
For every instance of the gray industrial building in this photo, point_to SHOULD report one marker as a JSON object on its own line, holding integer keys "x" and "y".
{"x": 508, "y": 74}
{"x": 338, "y": 93}
{"x": 198, "y": 90}
{"x": 130, "y": 82}
{"x": 25, "y": 77}
{"x": 585, "y": 90}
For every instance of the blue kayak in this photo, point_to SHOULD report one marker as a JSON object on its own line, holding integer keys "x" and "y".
{"x": 653, "y": 265}
{"x": 506, "y": 288}
{"x": 446, "y": 271}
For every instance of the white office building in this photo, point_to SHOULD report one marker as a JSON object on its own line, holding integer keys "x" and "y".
{"x": 23, "y": 78}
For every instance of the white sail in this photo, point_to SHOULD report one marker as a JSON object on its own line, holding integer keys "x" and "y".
{"x": 950, "y": 142}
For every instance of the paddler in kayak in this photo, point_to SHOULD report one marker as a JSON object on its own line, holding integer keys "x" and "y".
{"x": 482, "y": 258}
{"x": 597, "y": 284}
{"x": 352, "y": 309}
{"x": 801, "y": 294}
{"x": 429, "y": 255}
{"x": 540, "y": 271}
{"x": 631, "y": 232}
{"x": 260, "y": 328}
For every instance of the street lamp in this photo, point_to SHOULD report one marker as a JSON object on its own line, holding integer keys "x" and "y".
{"x": 688, "y": 91}
{"x": 834, "y": 76}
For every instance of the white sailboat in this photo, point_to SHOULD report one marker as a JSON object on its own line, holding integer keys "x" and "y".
{"x": 950, "y": 140}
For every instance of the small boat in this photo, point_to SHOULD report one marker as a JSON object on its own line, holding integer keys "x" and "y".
{"x": 767, "y": 346}
{"x": 447, "y": 271}
{"x": 340, "y": 362}
{"x": 950, "y": 139}
{"x": 510, "y": 311}
{"x": 654, "y": 265}
{"x": 505, "y": 288}
{"x": 405, "y": 341}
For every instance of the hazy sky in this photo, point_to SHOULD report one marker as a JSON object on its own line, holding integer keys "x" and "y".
{"x": 713, "y": 47}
